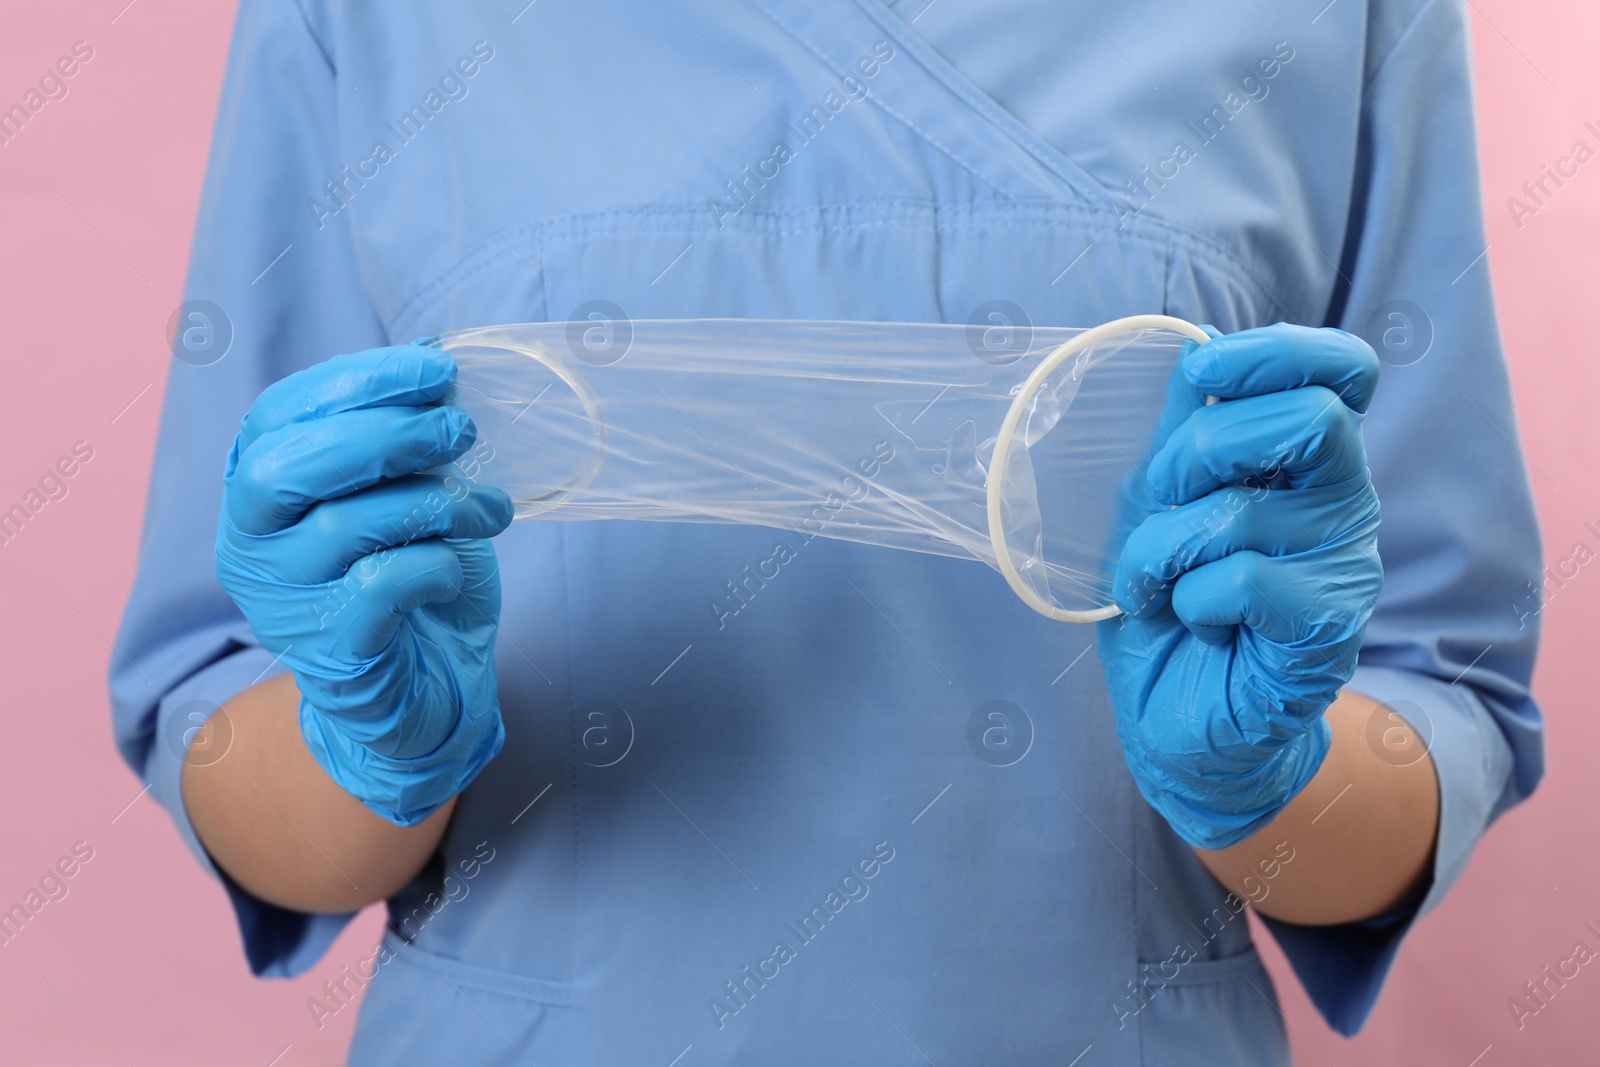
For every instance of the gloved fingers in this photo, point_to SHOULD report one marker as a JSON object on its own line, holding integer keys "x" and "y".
{"x": 408, "y": 375}
{"x": 479, "y": 565}
{"x": 1306, "y": 435}
{"x": 1170, "y": 543}
{"x": 478, "y": 606}
{"x": 1184, "y": 398}
{"x": 1248, "y": 589}
{"x": 379, "y": 590}
{"x": 1137, "y": 497}
{"x": 1275, "y": 358}
{"x": 279, "y": 477}
{"x": 334, "y": 534}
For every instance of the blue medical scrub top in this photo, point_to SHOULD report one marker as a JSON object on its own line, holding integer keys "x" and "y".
{"x": 787, "y": 830}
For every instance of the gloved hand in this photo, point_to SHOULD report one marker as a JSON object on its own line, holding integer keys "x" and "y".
{"x": 1247, "y": 579}
{"x": 369, "y": 579}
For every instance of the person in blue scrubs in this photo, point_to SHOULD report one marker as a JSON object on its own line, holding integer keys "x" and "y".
{"x": 878, "y": 811}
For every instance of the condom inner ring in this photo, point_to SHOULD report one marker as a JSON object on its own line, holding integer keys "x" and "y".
{"x": 496, "y": 341}
{"x": 1006, "y": 440}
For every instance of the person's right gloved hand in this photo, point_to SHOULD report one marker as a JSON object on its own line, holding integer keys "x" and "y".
{"x": 368, "y": 578}
{"x": 1247, "y": 577}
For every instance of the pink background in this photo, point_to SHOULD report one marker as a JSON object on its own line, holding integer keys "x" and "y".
{"x": 139, "y": 962}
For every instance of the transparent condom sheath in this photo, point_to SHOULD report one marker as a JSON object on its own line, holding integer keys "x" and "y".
{"x": 1007, "y": 445}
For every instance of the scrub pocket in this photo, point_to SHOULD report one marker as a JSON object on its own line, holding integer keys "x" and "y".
{"x": 484, "y": 1017}
{"x": 1236, "y": 988}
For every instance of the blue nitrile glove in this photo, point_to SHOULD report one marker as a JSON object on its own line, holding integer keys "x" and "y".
{"x": 369, "y": 579}
{"x": 1248, "y": 577}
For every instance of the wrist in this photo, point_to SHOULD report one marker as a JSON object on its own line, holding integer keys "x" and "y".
{"x": 1216, "y": 812}
{"x": 406, "y": 790}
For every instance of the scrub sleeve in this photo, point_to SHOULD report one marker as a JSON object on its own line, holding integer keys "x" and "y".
{"x": 1451, "y": 645}
{"x": 288, "y": 294}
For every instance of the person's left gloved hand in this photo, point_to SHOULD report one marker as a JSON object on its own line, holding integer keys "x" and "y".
{"x": 1247, "y": 579}
{"x": 359, "y": 555}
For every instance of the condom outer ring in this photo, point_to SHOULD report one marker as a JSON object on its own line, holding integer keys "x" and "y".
{"x": 1008, "y": 432}
{"x": 494, "y": 337}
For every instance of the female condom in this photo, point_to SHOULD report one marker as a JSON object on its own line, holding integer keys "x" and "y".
{"x": 1011, "y": 446}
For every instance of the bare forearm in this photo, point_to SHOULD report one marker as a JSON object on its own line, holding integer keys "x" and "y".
{"x": 281, "y": 828}
{"x": 1361, "y": 834}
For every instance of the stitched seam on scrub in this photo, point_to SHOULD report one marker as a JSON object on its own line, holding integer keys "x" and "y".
{"x": 1202, "y": 972}
{"x": 1079, "y": 179}
{"x": 572, "y": 726}
{"x": 485, "y": 979}
{"x": 918, "y": 130}
{"x": 584, "y": 223}
{"x": 689, "y": 220}
{"x": 934, "y": 218}
{"x": 632, "y": 220}
{"x": 1135, "y": 893}
{"x": 993, "y": 114}
{"x": 1166, "y": 281}
{"x": 1096, "y": 195}
{"x": 480, "y": 258}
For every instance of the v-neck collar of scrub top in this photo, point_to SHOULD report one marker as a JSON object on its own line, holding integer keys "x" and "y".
{"x": 933, "y": 97}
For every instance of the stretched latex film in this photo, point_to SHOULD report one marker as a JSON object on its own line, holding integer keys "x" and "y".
{"x": 1006, "y": 445}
